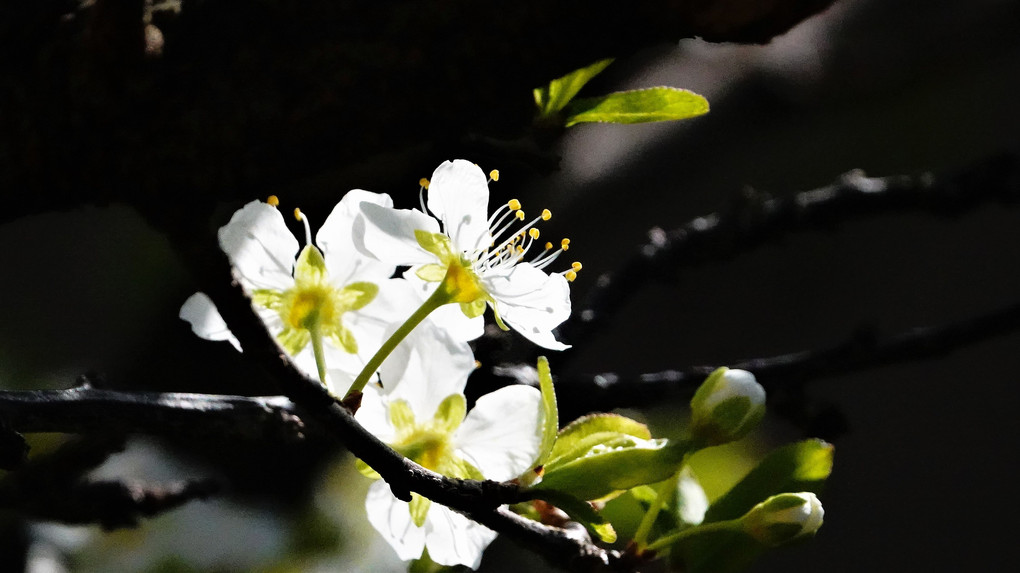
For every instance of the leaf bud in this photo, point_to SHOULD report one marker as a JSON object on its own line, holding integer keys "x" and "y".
{"x": 783, "y": 518}
{"x": 727, "y": 406}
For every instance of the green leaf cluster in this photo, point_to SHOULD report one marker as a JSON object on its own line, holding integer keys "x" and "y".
{"x": 557, "y": 104}
{"x": 798, "y": 467}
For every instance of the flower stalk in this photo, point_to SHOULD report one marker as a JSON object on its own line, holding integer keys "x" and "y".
{"x": 448, "y": 292}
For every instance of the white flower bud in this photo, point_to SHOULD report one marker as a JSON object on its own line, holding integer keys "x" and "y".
{"x": 784, "y": 517}
{"x": 727, "y": 406}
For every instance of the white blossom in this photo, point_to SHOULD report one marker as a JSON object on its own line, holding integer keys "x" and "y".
{"x": 479, "y": 259}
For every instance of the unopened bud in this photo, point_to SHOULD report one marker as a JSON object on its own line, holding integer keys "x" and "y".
{"x": 727, "y": 406}
{"x": 784, "y": 517}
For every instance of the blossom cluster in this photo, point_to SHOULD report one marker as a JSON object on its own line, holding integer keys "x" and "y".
{"x": 400, "y": 343}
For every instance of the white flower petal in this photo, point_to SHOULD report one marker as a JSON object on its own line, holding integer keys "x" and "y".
{"x": 337, "y": 236}
{"x": 502, "y": 433}
{"x": 459, "y": 196}
{"x": 536, "y": 312}
{"x": 453, "y": 539}
{"x": 374, "y": 414}
{"x": 425, "y": 368}
{"x": 260, "y": 246}
{"x": 392, "y": 519}
{"x": 205, "y": 320}
{"x": 389, "y": 234}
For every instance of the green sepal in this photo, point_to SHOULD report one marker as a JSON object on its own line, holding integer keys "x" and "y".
{"x": 450, "y": 413}
{"x": 267, "y": 298}
{"x": 555, "y": 96}
{"x": 582, "y": 512}
{"x": 798, "y": 467}
{"x": 366, "y": 470}
{"x": 436, "y": 243}
{"x": 310, "y": 266}
{"x": 474, "y": 308}
{"x": 432, "y": 273}
{"x": 614, "y": 465}
{"x": 499, "y": 319}
{"x": 457, "y": 467}
{"x": 343, "y": 338}
{"x": 419, "y": 508}
{"x": 401, "y": 415}
{"x": 638, "y": 106}
{"x": 356, "y": 295}
{"x": 293, "y": 340}
{"x": 585, "y": 432}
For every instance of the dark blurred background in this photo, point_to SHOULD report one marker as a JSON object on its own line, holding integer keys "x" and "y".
{"x": 924, "y": 476}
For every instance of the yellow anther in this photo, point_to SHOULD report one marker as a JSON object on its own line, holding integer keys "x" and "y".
{"x": 576, "y": 266}
{"x": 494, "y": 174}
{"x": 478, "y": 364}
{"x": 423, "y": 182}
{"x": 273, "y": 200}
{"x": 514, "y": 205}
{"x": 297, "y": 214}
{"x": 533, "y": 232}
{"x": 519, "y": 249}
{"x": 519, "y": 215}
{"x": 546, "y": 214}
{"x": 570, "y": 275}
{"x": 548, "y": 246}
{"x": 565, "y": 244}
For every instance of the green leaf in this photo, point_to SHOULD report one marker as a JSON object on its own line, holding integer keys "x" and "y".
{"x": 550, "y": 418}
{"x": 716, "y": 552}
{"x": 802, "y": 466}
{"x": 614, "y": 465}
{"x": 554, "y": 97}
{"x": 638, "y": 106}
{"x": 587, "y": 431}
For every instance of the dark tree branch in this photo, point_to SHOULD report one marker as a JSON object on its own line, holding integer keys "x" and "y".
{"x": 861, "y": 351}
{"x": 478, "y": 500}
{"x": 52, "y": 487}
{"x": 203, "y": 416}
{"x": 758, "y": 220}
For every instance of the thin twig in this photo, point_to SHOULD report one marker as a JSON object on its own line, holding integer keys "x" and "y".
{"x": 758, "y": 220}
{"x": 862, "y": 350}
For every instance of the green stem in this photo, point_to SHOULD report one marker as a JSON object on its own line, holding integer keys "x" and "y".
{"x": 439, "y": 298}
{"x": 320, "y": 355}
{"x": 666, "y": 490}
{"x": 729, "y": 525}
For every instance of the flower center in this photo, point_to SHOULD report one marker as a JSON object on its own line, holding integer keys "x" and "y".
{"x": 313, "y": 308}
{"x": 309, "y": 306}
{"x": 430, "y": 442}
{"x": 510, "y": 240}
